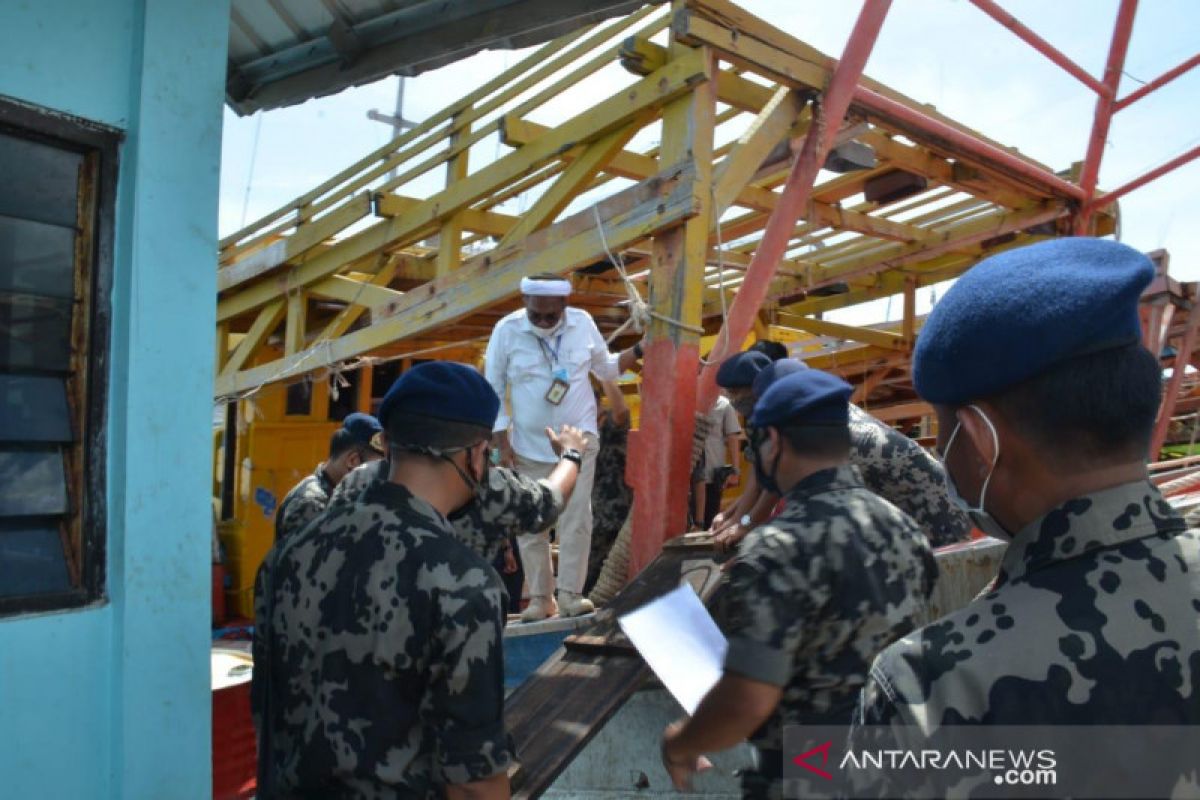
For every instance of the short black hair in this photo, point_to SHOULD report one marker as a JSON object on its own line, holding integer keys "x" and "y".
{"x": 772, "y": 350}
{"x": 1097, "y": 408}
{"x": 817, "y": 441}
{"x": 343, "y": 441}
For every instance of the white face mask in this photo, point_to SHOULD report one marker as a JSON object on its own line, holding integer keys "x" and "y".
{"x": 978, "y": 514}
{"x": 548, "y": 333}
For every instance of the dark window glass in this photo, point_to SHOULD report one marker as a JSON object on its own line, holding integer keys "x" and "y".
{"x": 38, "y": 181}
{"x": 34, "y": 409}
{"x": 32, "y": 483}
{"x": 32, "y": 561}
{"x": 299, "y": 399}
{"x": 346, "y": 401}
{"x": 35, "y": 332}
{"x": 36, "y": 258}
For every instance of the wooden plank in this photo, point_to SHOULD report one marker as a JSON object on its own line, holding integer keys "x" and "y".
{"x": 262, "y": 327}
{"x": 821, "y": 327}
{"x": 449, "y": 255}
{"x": 673, "y": 80}
{"x": 349, "y": 315}
{"x": 296, "y": 323}
{"x": 306, "y": 237}
{"x": 573, "y": 179}
{"x": 348, "y": 290}
{"x": 629, "y": 216}
{"x": 768, "y": 129}
{"x": 560, "y": 708}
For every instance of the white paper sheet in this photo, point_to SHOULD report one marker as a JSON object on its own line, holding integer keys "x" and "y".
{"x": 680, "y": 642}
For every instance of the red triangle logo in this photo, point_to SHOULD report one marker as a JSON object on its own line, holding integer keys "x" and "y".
{"x": 802, "y": 760}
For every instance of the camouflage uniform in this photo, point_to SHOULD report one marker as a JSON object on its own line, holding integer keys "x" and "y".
{"x": 507, "y": 504}
{"x": 612, "y": 498}
{"x": 303, "y": 504}
{"x": 1092, "y": 620}
{"x": 902, "y": 472}
{"x": 814, "y": 595}
{"x": 381, "y": 658}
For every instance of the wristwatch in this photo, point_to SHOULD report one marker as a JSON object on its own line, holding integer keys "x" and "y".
{"x": 746, "y": 522}
{"x": 571, "y": 454}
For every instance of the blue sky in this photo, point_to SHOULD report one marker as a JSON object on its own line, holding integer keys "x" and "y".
{"x": 943, "y": 52}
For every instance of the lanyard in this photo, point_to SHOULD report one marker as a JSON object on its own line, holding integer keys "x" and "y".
{"x": 551, "y": 356}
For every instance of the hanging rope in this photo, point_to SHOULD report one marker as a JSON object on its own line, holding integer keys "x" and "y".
{"x": 640, "y": 313}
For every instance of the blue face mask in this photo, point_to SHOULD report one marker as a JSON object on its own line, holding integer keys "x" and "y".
{"x": 978, "y": 514}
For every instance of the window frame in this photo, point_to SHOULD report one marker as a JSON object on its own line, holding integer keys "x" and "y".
{"x": 91, "y": 334}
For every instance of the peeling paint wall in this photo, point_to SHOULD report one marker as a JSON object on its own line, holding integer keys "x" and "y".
{"x": 113, "y": 700}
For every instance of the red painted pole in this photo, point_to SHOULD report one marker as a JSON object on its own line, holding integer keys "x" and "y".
{"x": 1154, "y": 174}
{"x": 885, "y": 106}
{"x": 1157, "y": 83}
{"x": 795, "y": 195}
{"x": 1105, "y": 107}
{"x": 1038, "y": 43}
{"x": 1171, "y": 395}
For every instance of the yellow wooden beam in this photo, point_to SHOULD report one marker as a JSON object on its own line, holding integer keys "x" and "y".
{"x": 665, "y": 85}
{"x": 349, "y": 315}
{"x": 266, "y": 321}
{"x": 876, "y": 338}
{"x": 573, "y": 179}
{"x": 450, "y": 234}
{"x": 307, "y": 236}
{"x": 768, "y": 129}
{"x": 296, "y": 323}
{"x": 348, "y": 290}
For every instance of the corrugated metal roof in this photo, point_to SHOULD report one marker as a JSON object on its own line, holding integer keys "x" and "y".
{"x": 283, "y": 52}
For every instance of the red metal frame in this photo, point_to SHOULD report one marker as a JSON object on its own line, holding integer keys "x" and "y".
{"x": 792, "y": 200}
{"x": 844, "y": 90}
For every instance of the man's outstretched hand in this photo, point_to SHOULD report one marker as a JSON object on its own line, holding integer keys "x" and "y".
{"x": 568, "y": 438}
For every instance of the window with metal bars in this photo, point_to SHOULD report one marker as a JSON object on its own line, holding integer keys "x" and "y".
{"x": 57, "y": 190}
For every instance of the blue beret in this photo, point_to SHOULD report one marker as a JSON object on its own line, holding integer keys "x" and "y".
{"x": 364, "y": 428}
{"x": 442, "y": 390}
{"x": 774, "y": 371}
{"x": 739, "y": 370}
{"x": 1018, "y": 313}
{"x": 806, "y": 397}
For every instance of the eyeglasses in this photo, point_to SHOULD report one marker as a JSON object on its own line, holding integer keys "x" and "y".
{"x": 551, "y": 316}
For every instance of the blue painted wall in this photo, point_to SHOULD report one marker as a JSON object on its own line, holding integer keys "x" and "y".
{"x": 113, "y": 701}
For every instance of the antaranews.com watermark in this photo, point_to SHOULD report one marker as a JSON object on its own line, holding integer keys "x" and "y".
{"x": 1103, "y": 762}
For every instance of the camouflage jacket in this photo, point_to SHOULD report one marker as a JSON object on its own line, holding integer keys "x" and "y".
{"x": 612, "y": 498}
{"x": 902, "y": 472}
{"x": 506, "y": 505}
{"x": 816, "y": 593}
{"x": 303, "y": 504}
{"x": 1091, "y": 620}
{"x": 378, "y": 671}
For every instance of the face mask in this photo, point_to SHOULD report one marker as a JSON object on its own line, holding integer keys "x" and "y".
{"x": 548, "y": 333}
{"x": 978, "y": 514}
{"x": 768, "y": 482}
{"x": 474, "y": 484}
{"x": 745, "y": 407}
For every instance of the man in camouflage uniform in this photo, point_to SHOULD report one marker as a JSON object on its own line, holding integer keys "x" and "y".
{"x": 357, "y": 442}
{"x": 506, "y": 503}
{"x": 612, "y": 499}
{"x": 378, "y": 665}
{"x": 1046, "y": 401}
{"x": 814, "y": 594}
{"x": 893, "y": 466}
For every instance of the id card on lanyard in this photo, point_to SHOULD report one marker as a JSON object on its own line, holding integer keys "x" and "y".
{"x": 559, "y": 385}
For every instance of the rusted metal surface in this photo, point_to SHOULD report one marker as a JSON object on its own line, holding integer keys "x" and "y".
{"x": 964, "y": 570}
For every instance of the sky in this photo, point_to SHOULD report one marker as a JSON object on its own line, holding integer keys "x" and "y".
{"x": 943, "y": 52}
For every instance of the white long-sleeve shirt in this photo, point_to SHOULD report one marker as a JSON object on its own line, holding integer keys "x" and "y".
{"x": 520, "y": 361}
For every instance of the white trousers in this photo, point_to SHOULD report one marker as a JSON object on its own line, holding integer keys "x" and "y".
{"x": 574, "y": 527}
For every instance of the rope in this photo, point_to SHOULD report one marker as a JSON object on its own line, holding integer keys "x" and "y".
{"x": 640, "y": 313}
{"x": 616, "y": 567}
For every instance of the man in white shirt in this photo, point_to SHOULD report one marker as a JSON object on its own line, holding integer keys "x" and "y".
{"x": 538, "y": 358}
